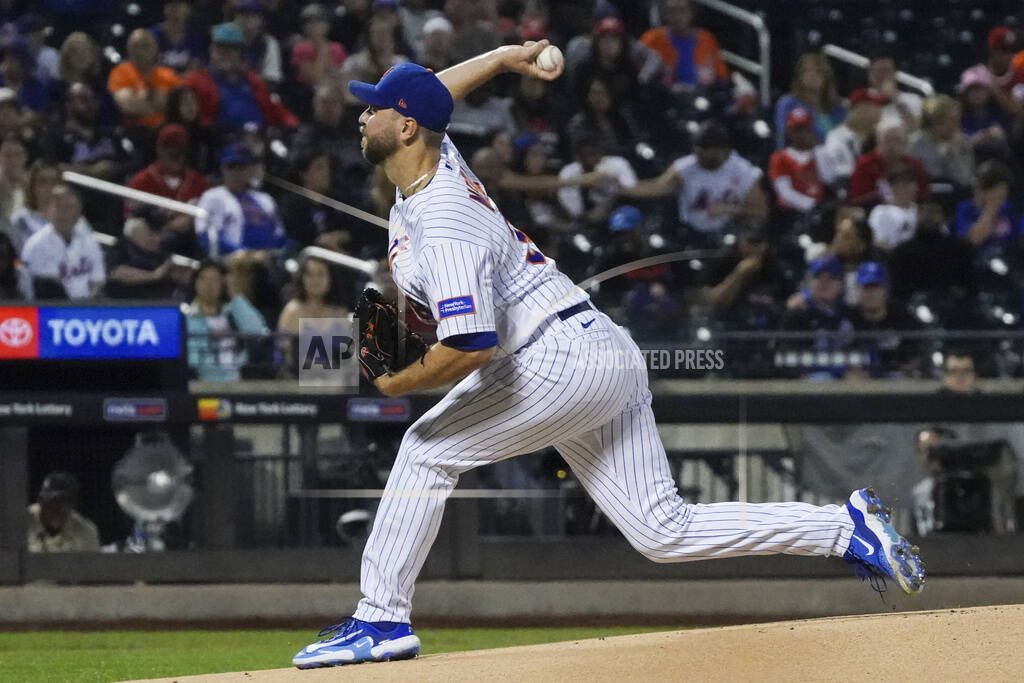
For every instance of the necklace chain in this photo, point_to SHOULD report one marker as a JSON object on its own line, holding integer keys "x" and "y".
{"x": 416, "y": 182}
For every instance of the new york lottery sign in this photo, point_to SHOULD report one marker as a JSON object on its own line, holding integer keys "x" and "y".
{"x": 90, "y": 332}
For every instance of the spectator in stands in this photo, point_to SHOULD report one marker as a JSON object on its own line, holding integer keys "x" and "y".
{"x": 845, "y": 143}
{"x": 81, "y": 144}
{"x": 438, "y": 47}
{"x": 715, "y": 186}
{"x": 988, "y": 221}
{"x": 794, "y": 171}
{"x": 852, "y": 245}
{"x": 17, "y": 72}
{"x": 932, "y": 261}
{"x": 316, "y": 296}
{"x": 53, "y": 523}
{"x": 139, "y": 268}
{"x": 216, "y": 315}
{"x": 32, "y": 27}
{"x": 985, "y": 123}
{"x": 349, "y": 23}
{"x": 171, "y": 177}
{"x": 889, "y": 355}
{"x": 15, "y": 280}
{"x": 229, "y": 95}
{"x": 377, "y": 56}
{"x": 414, "y": 17}
{"x": 589, "y": 207}
{"x": 628, "y": 66}
{"x": 309, "y": 223}
{"x": 894, "y": 222}
{"x": 261, "y": 52}
{"x": 605, "y": 117}
{"x": 31, "y": 218}
{"x": 940, "y": 145}
{"x": 1006, "y": 84}
{"x": 867, "y": 183}
{"x": 814, "y": 89}
{"x": 905, "y": 106}
{"x": 819, "y": 307}
{"x": 690, "y": 54}
{"x": 11, "y": 120}
{"x": 747, "y": 288}
{"x": 482, "y": 114}
{"x": 541, "y": 209}
{"x": 13, "y": 180}
{"x": 331, "y": 132}
{"x": 80, "y": 63}
{"x": 179, "y": 47}
{"x": 474, "y": 30}
{"x": 534, "y": 110}
{"x": 958, "y": 373}
{"x": 60, "y": 254}
{"x": 183, "y": 109}
{"x": 316, "y": 59}
{"x": 238, "y": 216}
{"x": 139, "y": 85}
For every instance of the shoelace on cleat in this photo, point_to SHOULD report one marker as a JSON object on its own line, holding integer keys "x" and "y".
{"x": 339, "y": 629}
{"x": 876, "y": 581}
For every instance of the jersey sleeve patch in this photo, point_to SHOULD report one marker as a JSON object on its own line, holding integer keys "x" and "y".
{"x": 455, "y": 306}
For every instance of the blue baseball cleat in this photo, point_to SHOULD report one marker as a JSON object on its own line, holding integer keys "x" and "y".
{"x": 877, "y": 547}
{"x": 354, "y": 641}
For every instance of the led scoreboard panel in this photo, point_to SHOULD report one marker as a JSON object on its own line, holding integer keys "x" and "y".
{"x": 90, "y": 332}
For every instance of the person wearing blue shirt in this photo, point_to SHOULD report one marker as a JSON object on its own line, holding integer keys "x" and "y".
{"x": 988, "y": 221}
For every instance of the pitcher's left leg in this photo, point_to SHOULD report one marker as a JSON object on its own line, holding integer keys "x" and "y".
{"x": 623, "y": 467}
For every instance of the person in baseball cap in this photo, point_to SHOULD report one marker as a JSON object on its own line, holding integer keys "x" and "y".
{"x": 53, "y": 524}
{"x": 625, "y": 218}
{"x": 825, "y": 264}
{"x": 871, "y": 273}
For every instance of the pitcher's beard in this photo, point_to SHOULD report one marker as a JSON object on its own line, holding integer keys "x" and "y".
{"x": 377, "y": 150}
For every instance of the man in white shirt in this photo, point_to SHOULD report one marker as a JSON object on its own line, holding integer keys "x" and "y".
{"x": 591, "y": 205}
{"x": 904, "y": 106}
{"x": 715, "y": 185}
{"x": 845, "y": 142}
{"x": 896, "y": 222}
{"x": 60, "y": 253}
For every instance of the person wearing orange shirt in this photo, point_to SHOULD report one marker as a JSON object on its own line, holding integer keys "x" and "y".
{"x": 691, "y": 54}
{"x": 139, "y": 86}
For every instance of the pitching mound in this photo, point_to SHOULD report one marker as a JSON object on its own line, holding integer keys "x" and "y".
{"x": 980, "y": 643}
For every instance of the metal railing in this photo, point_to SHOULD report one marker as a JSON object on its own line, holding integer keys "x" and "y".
{"x": 861, "y": 62}
{"x": 762, "y": 67}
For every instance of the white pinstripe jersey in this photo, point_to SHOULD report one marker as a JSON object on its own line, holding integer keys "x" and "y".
{"x": 450, "y": 249}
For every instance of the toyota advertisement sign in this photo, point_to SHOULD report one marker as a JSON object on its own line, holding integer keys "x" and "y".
{"x": 90, "y": 332}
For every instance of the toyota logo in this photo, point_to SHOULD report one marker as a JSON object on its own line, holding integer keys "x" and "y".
{"x": 15, "y": 332}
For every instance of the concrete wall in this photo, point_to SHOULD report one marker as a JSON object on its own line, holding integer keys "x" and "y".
{"x": 688, "y": 601}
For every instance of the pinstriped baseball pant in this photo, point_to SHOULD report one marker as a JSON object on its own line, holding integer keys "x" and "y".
{"x": 583, "y": 391}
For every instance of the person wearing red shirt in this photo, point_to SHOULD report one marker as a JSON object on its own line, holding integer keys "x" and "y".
{"x": 867, "y": 184}
{"x": 794, "y": 171}
{"x": 170, "y": 177}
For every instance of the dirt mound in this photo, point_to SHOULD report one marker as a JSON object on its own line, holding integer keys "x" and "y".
{"x": 978, "y": 643}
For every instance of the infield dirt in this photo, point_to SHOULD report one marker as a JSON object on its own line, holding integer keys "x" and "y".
{"x": 971, "y": 644}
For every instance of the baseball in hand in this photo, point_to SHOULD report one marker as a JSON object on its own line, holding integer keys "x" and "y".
{"x": 550, "y": 58}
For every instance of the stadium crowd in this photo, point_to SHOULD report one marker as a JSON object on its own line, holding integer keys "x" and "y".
{"x": 847, "y": 209}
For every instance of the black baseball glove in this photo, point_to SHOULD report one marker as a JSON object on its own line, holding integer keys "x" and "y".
{"x": 385, "y": 344}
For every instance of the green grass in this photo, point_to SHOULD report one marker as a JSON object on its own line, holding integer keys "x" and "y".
{"x": 53, "y": 656}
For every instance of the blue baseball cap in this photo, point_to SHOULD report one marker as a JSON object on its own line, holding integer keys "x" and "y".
{"x": 412, "y": 91}
{"x": 871, "y": 273}
{"x": 625, "y": 218}
{"x": 826, "y": 264}
{"x": 235, "y": 154}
